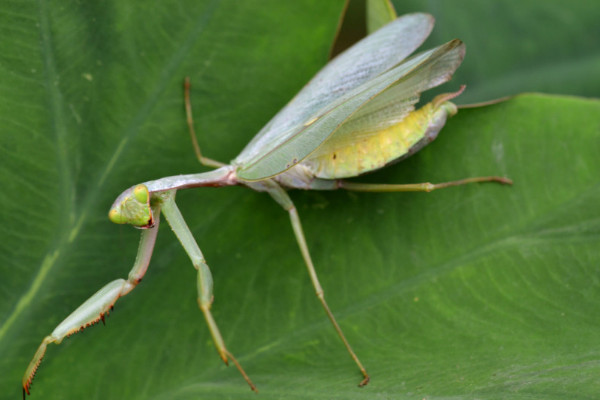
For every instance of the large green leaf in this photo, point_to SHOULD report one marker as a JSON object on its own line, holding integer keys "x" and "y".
{"x": 471, "y": 292}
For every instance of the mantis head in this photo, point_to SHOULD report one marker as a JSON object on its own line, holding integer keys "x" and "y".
{"x": 133, "y": 207}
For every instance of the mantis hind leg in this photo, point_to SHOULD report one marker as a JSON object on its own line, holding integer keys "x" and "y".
{"x": 416, "y": 187}
{"x": 204, "y": 281}
{"x": 284, "y": 200}
{"x": 209, "y": 162}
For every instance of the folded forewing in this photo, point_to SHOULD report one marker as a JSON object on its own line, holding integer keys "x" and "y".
{"x": 332, "y": 117}
{"x": 395, "y": 103}
{"x": 368, "y": 58}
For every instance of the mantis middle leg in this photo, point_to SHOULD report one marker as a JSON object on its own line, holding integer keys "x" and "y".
{"x": 204, "y": 282}
{"x": 280, "y": 195}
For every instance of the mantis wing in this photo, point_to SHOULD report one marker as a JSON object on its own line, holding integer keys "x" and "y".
{"x": 356, "y": 110}
{"x": 395, "y": 103}
{"x": 366, "y": 59}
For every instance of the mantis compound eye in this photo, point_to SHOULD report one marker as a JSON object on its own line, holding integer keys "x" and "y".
{"x": 133, "y": 207}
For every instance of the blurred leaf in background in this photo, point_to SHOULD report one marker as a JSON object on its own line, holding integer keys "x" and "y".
{"x": 514, "y": 47}
{"x": 471, "y": 292}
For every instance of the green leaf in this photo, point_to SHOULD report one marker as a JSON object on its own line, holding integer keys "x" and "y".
{"x": 479, "y": 291}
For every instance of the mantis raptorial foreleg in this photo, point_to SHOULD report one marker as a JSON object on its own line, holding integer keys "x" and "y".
{"x": 280, "y": 195}
{"x": 205, "y": 281}
{"x": 99, "y": 305}
{"x": 416, "y": 187}
{"x": 209, "y": 162}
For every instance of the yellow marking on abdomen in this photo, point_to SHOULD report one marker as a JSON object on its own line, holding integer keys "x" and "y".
{"x": 373, "y": 151}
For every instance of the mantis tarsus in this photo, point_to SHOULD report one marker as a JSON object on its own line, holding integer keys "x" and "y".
{"x": 356, "y": 115}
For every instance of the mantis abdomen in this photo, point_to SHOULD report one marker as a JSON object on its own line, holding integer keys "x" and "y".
{"x": 380, "y": 148}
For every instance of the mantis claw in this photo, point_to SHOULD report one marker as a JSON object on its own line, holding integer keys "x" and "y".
{"x": 239, "y": 367}
{"x": 365, "y": 381}
{"x": 34, "y": 364}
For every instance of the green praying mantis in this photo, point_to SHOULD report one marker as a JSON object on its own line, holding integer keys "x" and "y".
{"x": 355, "y": 116}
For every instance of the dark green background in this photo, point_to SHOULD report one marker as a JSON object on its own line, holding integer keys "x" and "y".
{"x": 472, "y": 292}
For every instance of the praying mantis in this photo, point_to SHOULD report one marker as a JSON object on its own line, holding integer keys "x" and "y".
{"x": 355, "y": 116}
